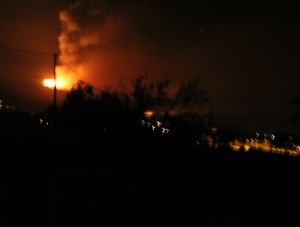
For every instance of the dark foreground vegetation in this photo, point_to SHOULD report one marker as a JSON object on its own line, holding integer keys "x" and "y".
{"x": 85, "y": 171}
{"x": 50, "y": 178}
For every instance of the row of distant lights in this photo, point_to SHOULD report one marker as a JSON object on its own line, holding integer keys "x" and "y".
{"x": 260, "y": 142}
{"x": 5, "y": 107}
{"x": 265, "y": 145}
{"x": 42, "y": 122}
{"x": 272, "y": 136}
{"x": 156, "y": 126}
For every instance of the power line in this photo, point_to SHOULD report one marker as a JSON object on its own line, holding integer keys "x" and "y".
{"x": 25, "y": 50}
{"x": 73, "y": 70}
{"x": 37, "y": 52}
{"x": 42, "y": 53}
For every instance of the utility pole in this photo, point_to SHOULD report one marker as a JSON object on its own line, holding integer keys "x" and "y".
{"x": 54, "y": 90}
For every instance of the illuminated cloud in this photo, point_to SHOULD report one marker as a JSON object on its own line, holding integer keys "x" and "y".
{"x": 105, "y": 41}
{"x": 246, "y": 52}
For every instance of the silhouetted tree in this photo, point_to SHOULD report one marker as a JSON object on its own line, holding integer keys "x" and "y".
{"x": 115, "y": 111}
{"x": 78, "y": 99}
{"x": 78, "y": 107}
{"x": 177, "y": 106}
{"x": 119, "y": 112}
{"x": 108, "y": 111}
{"x": 189, "y": 96}
{"x": 142, "y": 93}
{"x": 295, "y": 119}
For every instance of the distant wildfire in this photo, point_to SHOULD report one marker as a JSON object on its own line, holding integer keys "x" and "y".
{"x": 107, "y": 43}
{"x": 89, "y": 32}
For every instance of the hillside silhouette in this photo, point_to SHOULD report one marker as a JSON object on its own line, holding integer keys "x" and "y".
{"x": 113, "y": 159}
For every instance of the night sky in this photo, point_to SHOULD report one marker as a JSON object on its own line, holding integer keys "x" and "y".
{"x": 246, "y": 52}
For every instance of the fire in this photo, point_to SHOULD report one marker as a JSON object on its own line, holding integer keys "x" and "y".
{"x": 64, "y": 82}
{"x": 50, "y": 83}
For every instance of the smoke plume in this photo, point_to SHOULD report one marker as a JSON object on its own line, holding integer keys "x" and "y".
{"x": 105, "y": 42}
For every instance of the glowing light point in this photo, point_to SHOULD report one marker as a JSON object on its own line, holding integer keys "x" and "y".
{"x": 257, "y": 135}
{"x": 50, "y": 83}
{"x": 273, "y": 137}
{"x": 158, "y": 123}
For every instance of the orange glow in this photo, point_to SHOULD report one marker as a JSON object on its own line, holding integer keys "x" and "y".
{"x": 50, "y": 83}
{"x": 64, "y": 81}
{"x": 148, "y": 113}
